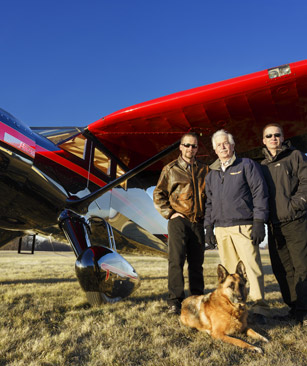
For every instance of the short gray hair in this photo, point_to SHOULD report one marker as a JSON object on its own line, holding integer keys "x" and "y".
{"x": 222, "y": 133}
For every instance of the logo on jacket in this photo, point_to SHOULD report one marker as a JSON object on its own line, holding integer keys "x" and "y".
{"x": 235, "y": 173}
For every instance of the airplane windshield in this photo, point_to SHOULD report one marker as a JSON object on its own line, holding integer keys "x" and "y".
{"x": 58, "y": 135}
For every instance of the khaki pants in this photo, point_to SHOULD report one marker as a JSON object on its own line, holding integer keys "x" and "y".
{"x": 234, "y": 243}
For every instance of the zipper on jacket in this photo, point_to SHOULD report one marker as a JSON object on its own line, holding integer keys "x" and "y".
{"x": 222, "y": 176}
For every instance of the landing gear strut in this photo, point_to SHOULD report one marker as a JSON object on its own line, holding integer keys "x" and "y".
{"x": 103, "y": 274}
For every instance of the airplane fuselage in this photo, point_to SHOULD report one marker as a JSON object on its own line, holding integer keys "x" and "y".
{"x": 37, "y": 177}
{"x": 28, "y": 196}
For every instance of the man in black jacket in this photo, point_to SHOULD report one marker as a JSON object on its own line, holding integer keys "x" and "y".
{"x": 285, "y": 171}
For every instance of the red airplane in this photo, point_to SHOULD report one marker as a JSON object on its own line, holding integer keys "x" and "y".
{"x": 88, "y": 185}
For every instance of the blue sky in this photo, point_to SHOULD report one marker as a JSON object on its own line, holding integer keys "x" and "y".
{"x": 70, "y": 62}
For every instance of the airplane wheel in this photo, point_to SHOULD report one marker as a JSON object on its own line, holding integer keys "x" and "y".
{"x": 97, "y": 298}
{"x": 94, "y": 298}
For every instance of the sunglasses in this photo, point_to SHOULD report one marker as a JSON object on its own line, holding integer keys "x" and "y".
{"x": 188, "y": 145}
{"x": 272, "y": 134}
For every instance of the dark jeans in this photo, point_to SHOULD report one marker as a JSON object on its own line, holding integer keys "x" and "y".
{"x": 185, "y": 241}
{"x": 288, "y": 252}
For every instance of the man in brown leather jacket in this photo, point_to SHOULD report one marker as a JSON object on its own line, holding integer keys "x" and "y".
{"x": 180, "y": 198}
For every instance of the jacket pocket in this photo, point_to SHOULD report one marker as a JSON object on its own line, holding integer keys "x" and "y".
{"x": 184, "y": 196}
{"x": 182, "y": 202}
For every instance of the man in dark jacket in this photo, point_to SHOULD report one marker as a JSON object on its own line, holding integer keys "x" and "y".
{"x": 180, "y": 198}
{"x": 285, "y": 170}
{"x": 237, "y": 206}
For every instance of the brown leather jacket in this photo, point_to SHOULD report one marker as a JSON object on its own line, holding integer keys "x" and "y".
{"x": 181, "y": 190}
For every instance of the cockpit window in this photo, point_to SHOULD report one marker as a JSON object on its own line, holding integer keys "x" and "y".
{"x": 102, "y": 162}
{"x": 72, "y": 141}
{"x": 119, "y": 173}
{"x": 75, "y": 146}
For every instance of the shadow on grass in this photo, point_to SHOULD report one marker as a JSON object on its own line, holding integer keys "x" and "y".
{"x": 153, "y": 278}
{"x": 146, "y": 298}
{"x": 39, "y": 281}
{"x": 267, "y": 269}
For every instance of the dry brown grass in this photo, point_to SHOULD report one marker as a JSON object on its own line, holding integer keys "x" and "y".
{"x": 45, "y": 320}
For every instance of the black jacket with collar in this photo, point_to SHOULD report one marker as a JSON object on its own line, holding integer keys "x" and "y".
{"x": 286, "y": 177}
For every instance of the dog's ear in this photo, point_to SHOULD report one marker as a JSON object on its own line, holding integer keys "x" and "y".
{"x": 222, "y": 273}
{"x": 240, "y": 270}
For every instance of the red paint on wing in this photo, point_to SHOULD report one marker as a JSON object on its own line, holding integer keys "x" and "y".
{"x": 242, "y": 105}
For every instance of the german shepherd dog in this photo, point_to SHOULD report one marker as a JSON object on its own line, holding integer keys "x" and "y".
{"x": 224, "y": 311}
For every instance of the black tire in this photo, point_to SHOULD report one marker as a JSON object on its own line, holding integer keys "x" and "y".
{"x": 94, "y": 298}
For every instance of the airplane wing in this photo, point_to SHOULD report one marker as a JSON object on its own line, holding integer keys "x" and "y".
{"x": 242, "y": 106}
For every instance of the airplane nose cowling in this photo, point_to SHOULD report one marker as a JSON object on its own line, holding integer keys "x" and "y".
{"x": 105, "y": 275}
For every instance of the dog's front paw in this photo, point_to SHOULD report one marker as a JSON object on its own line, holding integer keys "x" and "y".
{"x": 258, "y": 350}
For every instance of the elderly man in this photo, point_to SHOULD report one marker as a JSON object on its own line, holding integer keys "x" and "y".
{"x": 180, "y": 198}
{"x": 237, "y": 206}
{"x": 285, "y": 170}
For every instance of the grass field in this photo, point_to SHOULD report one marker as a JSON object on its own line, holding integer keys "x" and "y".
{"x": 45, "y": 320}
